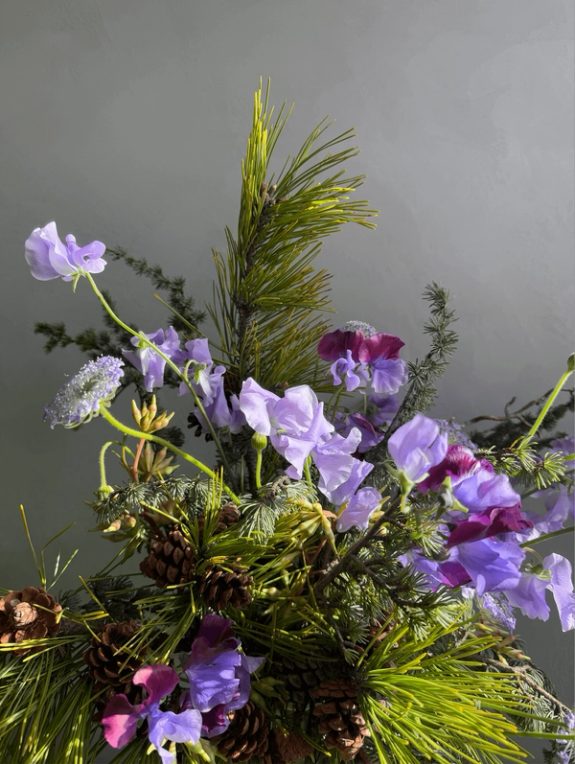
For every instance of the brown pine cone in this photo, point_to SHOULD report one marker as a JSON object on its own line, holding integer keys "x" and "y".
{"x": 221, "y": 588}
{"x": 111, "y": 667}
{"x": 28, "y": 614}
{"x": 300, "y": 677}
{"x": 171, "y": 559}
{"x": 340, "y": 717}
{"x": 228, "y": 516}
{"x": 287, "y": 747}
{"x": 247, "y": 737}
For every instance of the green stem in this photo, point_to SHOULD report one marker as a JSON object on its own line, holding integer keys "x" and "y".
{"x": 549, "y": 403}
{"x": 548, "y": 536}
{"x": 166, "y": 444}
{"x": 259, "y": 460}
{"x": 102, "y": 463}
{"x": 307, "y": 470}
{"x": 169, "y": 362}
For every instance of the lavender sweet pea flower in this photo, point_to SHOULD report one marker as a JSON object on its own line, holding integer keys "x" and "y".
{"x": 417, "y": 446}
{"x": 49, "y": 258}
{"x": 459, "y": 464}
{"x": 120, "y": 718}
{"x": 529, "y": 594}
{"x": 146, "y": 359}
{"x": 484, "y": 490}
{"x": 340, "y": 473}
{"x": 295, "y": 423}
{"x": 219, "y": 674}
{"x": 360, "y": 508}
{"x": 560, "y": 506}
{"x": 491, "y": 565}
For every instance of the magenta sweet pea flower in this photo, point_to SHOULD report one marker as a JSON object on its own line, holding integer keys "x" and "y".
{"x": 491, "y": 522}
{"x": 417, "y": 446}
{"x": 458, "y": 464}
{"x": 120, "y": 718}
{"x": 360, "y": 508}
{"x": 49, "y": 258}
{"x": 148, "y": 361}
{"x": 529, "y": 593}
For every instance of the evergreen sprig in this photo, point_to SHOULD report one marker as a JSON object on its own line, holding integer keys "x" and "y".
{"x": 268, "y": 295}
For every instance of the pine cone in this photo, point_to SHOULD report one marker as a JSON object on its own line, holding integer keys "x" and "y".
{"x": 111, "y": 667}
{"x": 28, "y": 614}
{"x": 287, "y": 747}
{"x": 247, "y": 737}
{"x": 171, "y": 560}
{"x": 300, "y": 678}
{"x": 341, "y": 719}
{"x": 229, "y": 516}
{"x": 221, "y": 588}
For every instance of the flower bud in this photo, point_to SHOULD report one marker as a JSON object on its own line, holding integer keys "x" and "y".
{"x": 259, "y": 441}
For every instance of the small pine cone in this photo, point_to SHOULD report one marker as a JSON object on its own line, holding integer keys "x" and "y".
{"x": 340, "y": 718}
{"x": 28, "y": 614}
{"x": 221, "y": 588}
{"x": 171, "y": 560}
{"x": 287, "y": 747}
{"x": 300, "y": 678}
{"x": 248, "y": 736}
{"x": 111, "y": 667}
{"x": 228, "y": 516}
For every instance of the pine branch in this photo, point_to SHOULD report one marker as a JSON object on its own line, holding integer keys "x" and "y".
{"x": 268, "y": 293}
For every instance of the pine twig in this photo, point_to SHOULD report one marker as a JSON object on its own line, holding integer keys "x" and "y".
{"x": 521, "y": 672}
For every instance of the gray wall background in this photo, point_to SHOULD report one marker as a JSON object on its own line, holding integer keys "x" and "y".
{"x": 125, "y": 121}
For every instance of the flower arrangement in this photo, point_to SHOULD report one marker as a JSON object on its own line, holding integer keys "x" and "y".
{"x": 342, "y": 584}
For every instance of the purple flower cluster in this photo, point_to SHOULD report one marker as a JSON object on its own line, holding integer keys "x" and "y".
{"x": 219, "y": 682}
{"x": 298, "y": 430}
{"x": 485, "y": 527}
{"x": 360, "y": 355}
{"x": 49, "y": 258}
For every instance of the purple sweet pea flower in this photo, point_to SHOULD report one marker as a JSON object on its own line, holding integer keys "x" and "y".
{"x": 49, "y": 258}
{"x": 295, "y": 423}
{"x": 353, "y": 351}
{"x": 490, "y": 522}
{"x": 120, "y": 718}
{"x": 559, "y": 503}
{"x": 382, "y": 409}
{"x": 500, "y": 609}
{"x": 459, "y": 463}
{"x": 219, "y": 674}
{"x": 370, "y": 437}
{"x": 417, "y": 446}
{"x": 360, "y": 508}
{"x": 491, "y": 565}
{"x": 429, "y": 568}
{"x": 529, "y": 593}
{"x": 147, "y": 361}
{"x": 355, "y": 375}
{"x": 484, "y": 490}
{"x": 340, "y": 473}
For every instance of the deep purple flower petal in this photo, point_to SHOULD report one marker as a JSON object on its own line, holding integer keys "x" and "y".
{"x": 335, "y": 345}
{"x": 370, "y": 437}
{"x": 215, "y": 721}
{"x": 490, "y": 522}
{"x": 359, "y": 510}
{"x": 216, "y": 629}
{"x": 459, "y": 463}
{"x": 453, "y": 574}
{"x": 380, "y": 346}
{"x": 120, "y": 719}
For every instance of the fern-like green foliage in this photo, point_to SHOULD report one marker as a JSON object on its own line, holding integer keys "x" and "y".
{"x": 268, "y": 294}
